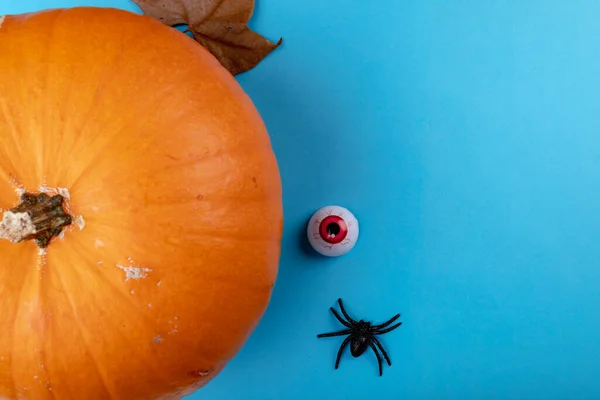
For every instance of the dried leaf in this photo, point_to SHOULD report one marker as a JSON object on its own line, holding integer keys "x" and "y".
{"x": 218, "y": 25}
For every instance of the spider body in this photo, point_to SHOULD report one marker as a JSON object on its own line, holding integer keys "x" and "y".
{"x": 361, "y": 336}
{"x": 359, "y": 341}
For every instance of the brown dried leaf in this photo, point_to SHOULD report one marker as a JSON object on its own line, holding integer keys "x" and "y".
{"x": 218, "y": 25}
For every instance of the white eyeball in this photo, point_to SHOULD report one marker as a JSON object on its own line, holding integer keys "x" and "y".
{"x": 332, "y": 231}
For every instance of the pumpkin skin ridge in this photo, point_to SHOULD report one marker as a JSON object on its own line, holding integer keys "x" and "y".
{"x": 133, "y": 305}
{"x": 74, "y": 243}
{"x": 102, "y": 374}
{"x": 31, "y": 280}
{"x": 108, "y": 142}
{"x": 238, "y": 185}
{"x": 104, "y": 279}
{"x": 8, "y": 118}
{"x": 13, "y": 339}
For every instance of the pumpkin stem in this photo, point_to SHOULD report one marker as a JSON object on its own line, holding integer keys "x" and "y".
{"x": 38, "y": 217}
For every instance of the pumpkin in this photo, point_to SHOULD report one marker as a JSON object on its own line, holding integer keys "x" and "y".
{"x": 141, "y": 209}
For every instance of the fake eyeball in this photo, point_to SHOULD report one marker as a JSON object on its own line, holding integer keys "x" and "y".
{"x": 332, "y": 231}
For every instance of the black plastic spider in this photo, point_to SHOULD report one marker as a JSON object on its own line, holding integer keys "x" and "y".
{"x": 361, "y": 335}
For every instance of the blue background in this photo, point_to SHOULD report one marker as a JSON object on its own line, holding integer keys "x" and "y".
{"x": 465, "y": 136}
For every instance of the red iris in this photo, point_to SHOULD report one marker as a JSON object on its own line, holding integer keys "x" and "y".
{"x": 333, "y": 229}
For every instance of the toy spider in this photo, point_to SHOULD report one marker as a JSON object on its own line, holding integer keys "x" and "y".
{"x": 361, "y": 335}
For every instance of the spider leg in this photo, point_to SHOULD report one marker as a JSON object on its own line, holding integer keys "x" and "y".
{"x": 378, "y": 357}
{"x": 339, "y": 354}
{"x": 391, "y": 328}
{"x": 346, "y": 324}
{"x": 345, "y": 313}
{"x": 340, "y": 333}
{"x": 378, "y": 343}
{"x": 380, "y": 326}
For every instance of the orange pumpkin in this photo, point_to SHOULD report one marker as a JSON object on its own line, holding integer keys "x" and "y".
{"x": 148, "y": 206}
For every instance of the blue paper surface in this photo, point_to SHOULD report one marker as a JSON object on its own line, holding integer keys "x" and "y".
{"x": 465, "y": 137}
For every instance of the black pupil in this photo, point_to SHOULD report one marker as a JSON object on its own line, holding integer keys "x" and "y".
{"x": 333, "y": 229}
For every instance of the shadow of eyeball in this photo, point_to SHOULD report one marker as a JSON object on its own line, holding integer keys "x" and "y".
{"x": 332, "y": 231}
